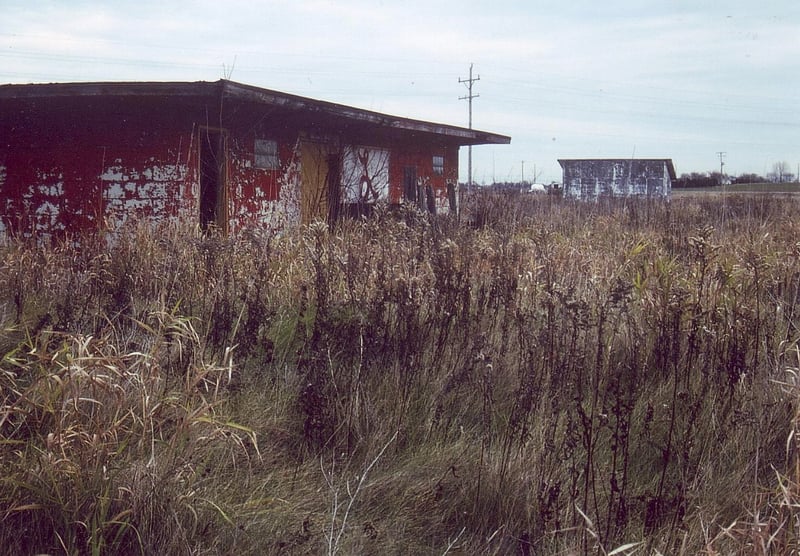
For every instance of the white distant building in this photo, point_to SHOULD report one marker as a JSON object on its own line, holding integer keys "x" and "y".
{"x": 594, "y": 178}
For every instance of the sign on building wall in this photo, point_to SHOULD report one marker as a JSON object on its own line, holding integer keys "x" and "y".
{"x": 365, "y": 175}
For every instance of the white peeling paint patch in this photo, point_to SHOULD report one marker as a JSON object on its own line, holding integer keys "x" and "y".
{"x": 137, "y": 204}
{"x": 165, "y": 173}
{"x": 147, "y": 192}
{"x": 288, "y": 206}
{"x": 48, "y": 184}
{"x": 51, "y": 190}
{"x": 442, "y": 205}
{"x": 168, "y": 172}
{"x": 115, "y": 191}
{"x": 47, "y": 217}
{"x": 3, "y": 174}
{"x": 47, "y": 208}
{"x": 153, "y": 190}
{"x": 41, "y": 201}
{"x": 284, "y": 214}
{"x": 113, "y": 173}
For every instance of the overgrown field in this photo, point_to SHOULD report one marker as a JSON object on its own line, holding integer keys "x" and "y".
{"x": 787, "y": 188}
{"x": 549, "y": 378}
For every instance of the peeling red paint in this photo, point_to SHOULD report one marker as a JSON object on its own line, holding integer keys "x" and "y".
{"x": 81, "y": 157}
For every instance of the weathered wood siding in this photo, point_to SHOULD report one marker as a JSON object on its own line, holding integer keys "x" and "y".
{"x": 592, "y": 179}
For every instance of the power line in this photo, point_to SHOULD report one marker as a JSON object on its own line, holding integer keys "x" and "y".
{"x": 469, "y": 97}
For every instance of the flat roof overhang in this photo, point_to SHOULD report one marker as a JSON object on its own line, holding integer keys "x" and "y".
{"x": 667, "y": 161}
{"x": 328, "y": 112}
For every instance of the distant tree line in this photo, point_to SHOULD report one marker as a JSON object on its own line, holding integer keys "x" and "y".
{"x": 780, "y": 174}
{"x": 696, "y": 179}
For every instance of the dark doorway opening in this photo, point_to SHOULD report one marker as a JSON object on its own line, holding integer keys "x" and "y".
{"x": 410, "y": 184}
{"x": 334, "y": 187}
{"x": 213, "y": 191}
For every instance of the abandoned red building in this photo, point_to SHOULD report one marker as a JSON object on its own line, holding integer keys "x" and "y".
{"x": 82, "y": 156}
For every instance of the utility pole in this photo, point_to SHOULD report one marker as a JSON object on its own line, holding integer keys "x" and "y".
{"x": 721, "y": 155}
{"x": 523, "y": 172}
{"x": 469, "y": 97}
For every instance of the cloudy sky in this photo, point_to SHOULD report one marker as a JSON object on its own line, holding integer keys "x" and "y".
{"x": 565, "y": 79}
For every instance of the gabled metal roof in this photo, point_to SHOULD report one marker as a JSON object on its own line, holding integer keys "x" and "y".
{"x": 230, "y": 90}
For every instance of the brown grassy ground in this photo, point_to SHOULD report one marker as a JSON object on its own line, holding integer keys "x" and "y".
{"x": 553, "y": 378}
{"x": 741, "y": 189}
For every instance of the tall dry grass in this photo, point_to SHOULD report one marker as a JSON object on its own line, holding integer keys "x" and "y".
{"x": 544, "y": 377}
